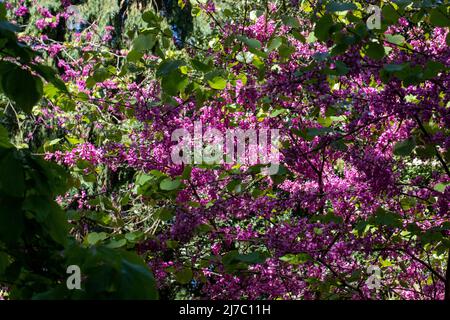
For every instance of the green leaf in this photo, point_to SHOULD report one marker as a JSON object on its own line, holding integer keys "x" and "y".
{"x": 387, "y": 218}
{"x": 204, "y": 228}
{"x": 143, "y": 178}
{"x": 4, "y": 138}
{"x": 297, "y": 35}
{"x": 405, "y": 147}
{"x": 375, "y": 51}
{"x": 12, "y": 178}
{"x": 217, "y": 83}
{"x": 328, "y": 218}
{"x": 291, "y": 21}
{"x": 389, "y": 14}
{"x": 112, "y": 274}
{"x": 425, "y": 152}
{"x": 432, "y": 69}
{"x": 251, "y": 258}
{"x": 4, "y": 262}
{"x": 174, "y": 83}
{"x": 2, "y": 11}
{"x": 114, "y": 244}
{"x": 165, "y": 214}
{"x": 408, "y": 202}
{"x": 94, "y": 238}
{"x": 171, "y": 244}
{"x": 184, "y": 276}
{"x": 8, "y": 26}
{"x": 321, "y": 56}
{"x": 144, "y": 42}
{"x": 150, "y": 17}
{"x": 326, "y": 122}
{"x": 251, "y": 43}
{"x": 314, "y": 132}
{"x": 17, "y": 82}
{"x": 394, "y": 67}
{"x": 50, "y": 75}
{"x": 168, "y": 66}
{"x": 169, "y": 184}
{"x": 11, "y": 220}
{"x": 323, "y": 27}
{"x": 51, "y": 143}
{"x": 340, "y": 68}
{"x": 339, "y": 145}
{"x": 186, "y": 172}
{"x": 233, "y": 258}
{"x": 55, "y": 180}
{"x": 340, "y": 6}
{"x": 101, "y": 74}
{"x": 395, "y": 39}
{"x": 296, "y": 259}
{"x": 440, "y": 187}
{"x": 275, "y": 43}
{"x": 49, "y": 215}
{"x": 431, "y": 236}
{"x": 134, "y": 55}
{"x": 200, "y": 66}
{"x": 285, "y": 51}
{"x": 135, "y": 236}
{"x": 136, "y": 281}
{"x": 438, "y": 18}
{"x": 275, "y": 113}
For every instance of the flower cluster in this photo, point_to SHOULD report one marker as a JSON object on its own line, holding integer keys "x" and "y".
{"x": 348, "y": 195}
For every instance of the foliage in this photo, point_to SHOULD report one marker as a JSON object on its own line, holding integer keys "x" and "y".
{"x": 364, "y": 118}
{"x": 35, "y": 245}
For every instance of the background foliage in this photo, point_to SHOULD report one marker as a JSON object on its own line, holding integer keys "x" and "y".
{"x": 86, "y": 176}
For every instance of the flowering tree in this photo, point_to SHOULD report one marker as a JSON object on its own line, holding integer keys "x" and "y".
{"x": 359, "y": 97}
